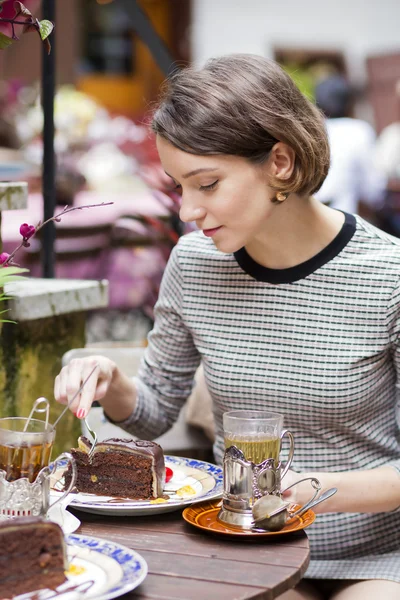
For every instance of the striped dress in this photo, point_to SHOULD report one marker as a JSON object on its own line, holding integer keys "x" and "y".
{"x": 318, "y": 342}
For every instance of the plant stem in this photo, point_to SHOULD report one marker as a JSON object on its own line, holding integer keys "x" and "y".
{"x": 4, "y": 20}
{"x": 54, "y": 218}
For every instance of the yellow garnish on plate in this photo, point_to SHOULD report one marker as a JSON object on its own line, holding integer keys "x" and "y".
{"x": 158, "y": 501}
{"x": 185, "y": 491}
{"x": 75, "y": 570}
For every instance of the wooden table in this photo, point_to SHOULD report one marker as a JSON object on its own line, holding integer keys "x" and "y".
{"x": 188, "y": 564}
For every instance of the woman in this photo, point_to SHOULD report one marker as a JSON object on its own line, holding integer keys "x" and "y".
{"x": 291, "y": 306}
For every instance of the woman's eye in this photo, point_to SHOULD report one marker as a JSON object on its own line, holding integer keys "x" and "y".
{"x": 207, "y": 188}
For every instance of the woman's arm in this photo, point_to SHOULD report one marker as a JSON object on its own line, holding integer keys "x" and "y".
{"x": 369, "y": 491}
{"x": 166, "y": 375}
{"x": 149, "y": 405}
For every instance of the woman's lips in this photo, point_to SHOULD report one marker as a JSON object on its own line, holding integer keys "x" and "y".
{"x": 210, "y": 232}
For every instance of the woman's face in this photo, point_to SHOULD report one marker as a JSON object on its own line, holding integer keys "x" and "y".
{"x": 227, "y": 196}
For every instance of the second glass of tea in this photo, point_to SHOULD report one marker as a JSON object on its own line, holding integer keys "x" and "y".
{"x": 258, "y": 434}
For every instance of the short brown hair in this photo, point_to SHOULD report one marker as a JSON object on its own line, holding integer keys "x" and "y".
{"x": 241, "y": 105}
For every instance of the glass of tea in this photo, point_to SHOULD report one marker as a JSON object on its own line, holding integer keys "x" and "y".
{"x": 258, "y": 434}
{"x": 25, "y": 468}
{"x": 25, "y": 447}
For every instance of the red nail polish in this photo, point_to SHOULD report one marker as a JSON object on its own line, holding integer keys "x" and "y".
{"x": 81, "y": 413}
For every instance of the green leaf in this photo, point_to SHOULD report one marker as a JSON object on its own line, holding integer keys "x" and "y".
{"x": 5, "y": 41}
{"x": 45, "y": 28}
{"x": 6, "y": 271}
{"x": 9, "y": 274}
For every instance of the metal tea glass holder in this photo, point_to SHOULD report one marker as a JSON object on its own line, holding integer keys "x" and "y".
{"x": 245, "y": 482}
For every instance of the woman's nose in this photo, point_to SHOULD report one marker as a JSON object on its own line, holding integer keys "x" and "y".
{"x": 188, "y": 212}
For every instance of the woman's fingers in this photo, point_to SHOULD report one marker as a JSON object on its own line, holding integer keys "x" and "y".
{"x": 102, "y": 388}
{"x": 290, "y": 478}
{"x": 89, "y": 376}
{"x": 95, "y": 388}
{"x": 71, "y": 377}
{"x": 57, "y": 390}
{"x": 60, "y": 386}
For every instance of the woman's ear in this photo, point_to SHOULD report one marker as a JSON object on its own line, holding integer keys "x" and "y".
{"x": 281, "y": 161}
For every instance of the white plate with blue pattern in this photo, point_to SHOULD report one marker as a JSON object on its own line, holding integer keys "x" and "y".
{"x": 192, "y": 481}
{"x": 98, "y": 569}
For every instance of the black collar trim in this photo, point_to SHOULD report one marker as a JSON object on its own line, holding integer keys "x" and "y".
{"x": 292, "y": 274}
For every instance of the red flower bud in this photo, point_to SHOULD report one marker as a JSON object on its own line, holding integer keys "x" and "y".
{"x": 27, "y": 231}
{"x": 3, "y": 257}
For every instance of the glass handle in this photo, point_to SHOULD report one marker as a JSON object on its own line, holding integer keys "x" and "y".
{"x": 291, "y": 451}
{"x": 71, "y": 460}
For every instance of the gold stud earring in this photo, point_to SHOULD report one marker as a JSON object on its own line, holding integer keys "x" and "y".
{"x": 281, "y": 196}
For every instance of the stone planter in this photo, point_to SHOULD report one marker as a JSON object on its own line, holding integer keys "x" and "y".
{"x": 50, "y": 316}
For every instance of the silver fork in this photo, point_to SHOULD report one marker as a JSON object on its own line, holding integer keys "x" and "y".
{"x": 93, "y": 437}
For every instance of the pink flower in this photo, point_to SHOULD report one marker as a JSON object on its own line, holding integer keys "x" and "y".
{"x": 27, "y": 231}
{"x": 3, "y": 257}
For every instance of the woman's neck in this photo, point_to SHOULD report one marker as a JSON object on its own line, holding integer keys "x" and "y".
{"x": 296, "y": 230}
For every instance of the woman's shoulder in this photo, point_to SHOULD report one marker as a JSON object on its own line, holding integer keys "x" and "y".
{"x": 373, "y": 255}
{"x": 376, "y": 238}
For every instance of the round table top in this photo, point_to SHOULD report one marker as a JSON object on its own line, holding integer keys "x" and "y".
{"x": 187, "y": 563}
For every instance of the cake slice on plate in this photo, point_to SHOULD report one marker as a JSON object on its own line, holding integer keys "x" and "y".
{"x": 32, "y": 556}
{"x": 122, "y": 468}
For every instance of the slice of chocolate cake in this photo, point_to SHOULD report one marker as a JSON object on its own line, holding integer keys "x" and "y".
{"x": 119, "y": 467}
{"x": 32, "y": 556}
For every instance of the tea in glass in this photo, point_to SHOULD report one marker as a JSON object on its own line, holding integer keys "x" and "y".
{"x": 257, "y": 450}
{"x": 25, "y": 447}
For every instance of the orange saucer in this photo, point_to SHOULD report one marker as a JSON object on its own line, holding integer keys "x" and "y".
{"x": 204, "y": 516}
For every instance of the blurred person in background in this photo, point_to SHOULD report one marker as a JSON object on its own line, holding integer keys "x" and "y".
{"x": 388, "y": 145}
{"x": 387, "y": 160}
{"x": 353, "y": 178}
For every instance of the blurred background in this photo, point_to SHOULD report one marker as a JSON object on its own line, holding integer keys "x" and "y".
{"x": 344, "y": 55}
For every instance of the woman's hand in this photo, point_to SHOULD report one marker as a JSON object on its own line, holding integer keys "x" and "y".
{"x": 300, "y": 493}
{"x": 71, "y": 377}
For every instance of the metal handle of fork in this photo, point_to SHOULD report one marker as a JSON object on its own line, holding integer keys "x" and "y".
{"x": 93, "y": 436}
